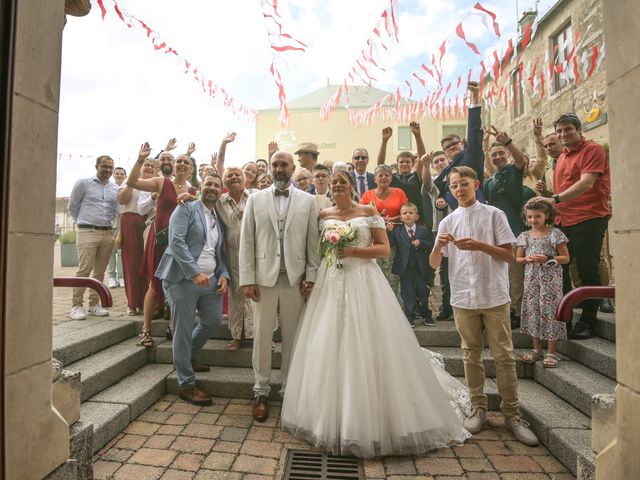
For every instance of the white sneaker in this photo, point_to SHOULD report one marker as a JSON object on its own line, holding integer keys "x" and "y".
{"x": 113, "y": 283}
{"x": 521, "y": 430}
{"x": 97, "y": 311}
{"x": 121, "y": 282}
{"x": 475, "y": 422}
{"x": 78, "y": 313}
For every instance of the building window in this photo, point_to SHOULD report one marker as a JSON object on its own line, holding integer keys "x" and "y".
{"x": 404, "y": 138}
{"x": 459, "y": 130}
{"x": 517, "y": 92}
{"x": 561, "y": 46}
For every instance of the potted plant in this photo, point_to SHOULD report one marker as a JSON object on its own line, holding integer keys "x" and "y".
{"x": 68, "y": 252}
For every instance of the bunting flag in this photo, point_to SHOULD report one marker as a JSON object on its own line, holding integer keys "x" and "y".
{"x": 526, "y": 37}
{"x": 460, "y": 33}
{"x": 207, "y": 85}
{"x": 279, "y": 39}
{"x": 594, "y": 61}
{"x": 496, "y": 26}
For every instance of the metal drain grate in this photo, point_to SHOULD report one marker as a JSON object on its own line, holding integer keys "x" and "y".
{"x": 304, "y": 465}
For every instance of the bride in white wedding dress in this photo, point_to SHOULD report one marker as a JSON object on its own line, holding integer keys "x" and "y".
{"x": 358, "y": 382}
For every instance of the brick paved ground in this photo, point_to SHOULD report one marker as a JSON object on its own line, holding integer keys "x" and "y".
{"x": 176, "y": 440}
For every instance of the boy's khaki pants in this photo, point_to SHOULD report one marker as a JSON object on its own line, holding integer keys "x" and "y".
{"x": 496, "y": 324}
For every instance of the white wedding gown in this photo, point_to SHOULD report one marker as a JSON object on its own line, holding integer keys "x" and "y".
{"x": 358, "y": 381}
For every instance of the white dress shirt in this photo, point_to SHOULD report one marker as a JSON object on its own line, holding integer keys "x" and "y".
{"x": 207, "y": 259}
{"x": 282, "y": 202}
{"x": 478, "y": 281}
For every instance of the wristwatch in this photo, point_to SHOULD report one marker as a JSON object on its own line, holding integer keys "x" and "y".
{"x": 551, "y": 262}
{"x": 556, "y": 198}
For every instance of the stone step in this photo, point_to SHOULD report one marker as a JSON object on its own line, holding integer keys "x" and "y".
{"x": 596, "y": 353}
{"x": 228, "y": 382}
{"x": 108, "y": 419}
{"x": 574, "y": 383}
{"x": 139, "y": 390}
{"x": 103, "y": 369}
{"x": 606, "y": 326}
{"x": 559, "y": 426}
{"x": 215, "y": 353}
{"x": 75, "y": 340}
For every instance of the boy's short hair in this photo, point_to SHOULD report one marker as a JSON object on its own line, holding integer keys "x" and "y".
{"x": 437, "y": 153}
{"x": 409, "y": 205}
{"x": 321, "y": 166}
{"x": 407, "y": 154}
{"x": 450, "y": 136}
{"x": 463, "y": 172}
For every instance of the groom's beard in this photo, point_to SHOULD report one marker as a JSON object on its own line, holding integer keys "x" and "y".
{"x": 280, "y": 180}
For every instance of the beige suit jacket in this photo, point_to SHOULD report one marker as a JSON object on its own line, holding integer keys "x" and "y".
{"x": 260, "y": 243}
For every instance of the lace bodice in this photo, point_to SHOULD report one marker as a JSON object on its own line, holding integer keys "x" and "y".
{"x": 362, "y": 224}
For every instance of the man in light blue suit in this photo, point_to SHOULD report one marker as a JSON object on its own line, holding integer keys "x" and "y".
{"x": 194, "y": 275}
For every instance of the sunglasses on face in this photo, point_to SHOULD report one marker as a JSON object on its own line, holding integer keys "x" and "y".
{"x": 360, "y": 158}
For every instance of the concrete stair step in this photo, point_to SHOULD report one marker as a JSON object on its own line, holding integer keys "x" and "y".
{"x": 103, "y": 369}
{"x": 228, "y": 382}
{"x": 108, "y": 419}
{"x": 574, "y": 383}
{"x": 606, "y": 326}
{"x": 75, "y": 340}
{"x": 215, "y": 353}
{"x": 596, "y": 353}
{"x": 139, "y": 390}
{"x": 551, "y": 418}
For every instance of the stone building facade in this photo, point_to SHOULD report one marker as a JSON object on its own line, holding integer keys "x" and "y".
{"x": 560, "y": 23}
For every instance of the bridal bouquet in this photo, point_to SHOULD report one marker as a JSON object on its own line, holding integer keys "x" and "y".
{"x": 334, "y": 237}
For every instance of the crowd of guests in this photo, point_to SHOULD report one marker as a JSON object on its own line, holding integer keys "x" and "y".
{"x": 556, "y": 204}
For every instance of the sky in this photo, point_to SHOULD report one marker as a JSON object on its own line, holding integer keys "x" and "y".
{"x": 117, "y": 91}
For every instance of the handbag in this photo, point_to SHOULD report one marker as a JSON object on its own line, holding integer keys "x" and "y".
{"x": 162, "y": 237}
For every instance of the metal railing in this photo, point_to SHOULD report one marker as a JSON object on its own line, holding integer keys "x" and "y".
{"x": 101, "y": 289}
{"x": 564, "y": 312}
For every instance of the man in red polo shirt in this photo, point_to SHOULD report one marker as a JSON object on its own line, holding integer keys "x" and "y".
{"x": 582, "y": 184}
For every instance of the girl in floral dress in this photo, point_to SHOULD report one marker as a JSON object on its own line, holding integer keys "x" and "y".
{"x": 542, "y": 250}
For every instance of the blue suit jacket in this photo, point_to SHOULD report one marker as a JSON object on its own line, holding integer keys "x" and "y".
{"x": 399, "y": 238}
{"x": 472, "y": 156}
{"x": 371, "y": 183}
{"x": 187, "y": 236}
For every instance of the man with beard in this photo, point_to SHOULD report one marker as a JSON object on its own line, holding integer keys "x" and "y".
{"x": 93, "y": 204}
{"x": 194, "y": 275}
{"x": 279, "y": 260}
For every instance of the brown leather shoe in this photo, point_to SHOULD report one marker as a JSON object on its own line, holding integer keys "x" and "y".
{"x": 195, "y": 396}
{"x": 199, "y": 367}
{"x": 260, "y": 408}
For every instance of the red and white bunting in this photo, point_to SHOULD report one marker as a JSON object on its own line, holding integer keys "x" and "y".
{"x": 132, "y": 22}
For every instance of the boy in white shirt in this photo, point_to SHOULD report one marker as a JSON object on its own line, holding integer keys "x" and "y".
{"x": 477, "y": 240}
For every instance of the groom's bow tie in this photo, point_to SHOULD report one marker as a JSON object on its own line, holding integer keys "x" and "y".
{"x": 283, "y": 193}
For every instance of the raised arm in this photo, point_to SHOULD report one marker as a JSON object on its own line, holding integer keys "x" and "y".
{"x": 541, "y": 154}
{"x": 219, "y": 164}
{"x": 427, "y": 182}
{"x": 382, "y": 154}
{"x": 489, "y": 167}
{"x": 415, "y": 129}
{"x": 153, "y": 185}
{"x": 475, "y": 156}
{"x": 519, "y": 159}
{"x": 271, "y": 149}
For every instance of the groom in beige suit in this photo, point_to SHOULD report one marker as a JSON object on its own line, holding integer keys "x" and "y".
{"x": 279, "y": 258}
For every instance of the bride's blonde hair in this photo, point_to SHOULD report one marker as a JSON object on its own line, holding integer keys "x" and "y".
{"x": 345, "y": 176}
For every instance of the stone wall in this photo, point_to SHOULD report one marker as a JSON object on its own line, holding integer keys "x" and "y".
{"x": 585, "y": 17}
{"x": 37, "y": 437}
{"x": 620, "y": 460}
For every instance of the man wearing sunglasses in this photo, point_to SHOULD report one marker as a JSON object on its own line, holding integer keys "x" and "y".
{"x": 461, "y": 156}
{"x": 364, "y": 180}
